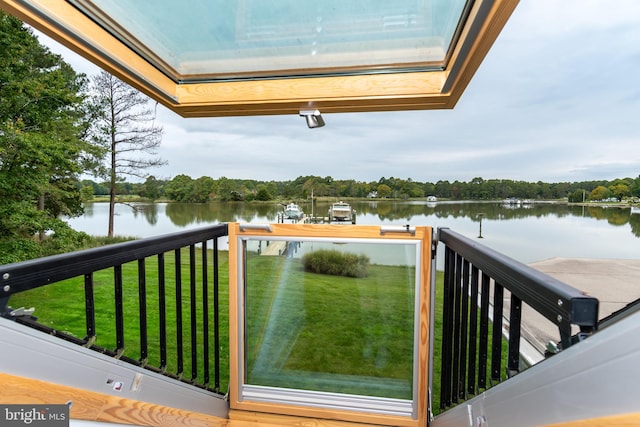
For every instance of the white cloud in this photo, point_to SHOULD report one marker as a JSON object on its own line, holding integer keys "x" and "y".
{"x": 556, "y": 99}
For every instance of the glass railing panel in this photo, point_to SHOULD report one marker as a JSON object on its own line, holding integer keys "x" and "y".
{"x": 331, "y": 318}
{"x": 312, "y": 325}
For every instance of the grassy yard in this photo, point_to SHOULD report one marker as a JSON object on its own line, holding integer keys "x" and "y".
{"x": 327, "y": 332}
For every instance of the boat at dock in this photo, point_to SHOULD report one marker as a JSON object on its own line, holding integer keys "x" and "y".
{"x": 293, "y": 211}
{"x": 340, "y": 211}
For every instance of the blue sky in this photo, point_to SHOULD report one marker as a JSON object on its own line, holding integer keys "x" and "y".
{"x": 556, "y": 99}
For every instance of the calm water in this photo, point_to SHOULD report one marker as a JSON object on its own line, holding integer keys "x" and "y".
{"x": 527, "y": 233}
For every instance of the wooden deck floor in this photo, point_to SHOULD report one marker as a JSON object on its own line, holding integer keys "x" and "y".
{"x": 105, "y": 408}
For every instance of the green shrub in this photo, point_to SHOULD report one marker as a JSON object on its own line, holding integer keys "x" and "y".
{"x": 18, "y": 249}
{"x": 60, "y": 238}
{"x": 336, "y": 263}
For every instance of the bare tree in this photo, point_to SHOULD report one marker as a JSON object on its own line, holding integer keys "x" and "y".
{"x": 124, "y": 128}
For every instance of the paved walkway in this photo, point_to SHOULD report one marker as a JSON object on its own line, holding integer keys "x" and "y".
{"x": 614, "y": 282}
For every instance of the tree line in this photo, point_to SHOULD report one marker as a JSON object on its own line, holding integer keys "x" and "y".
{"x": 183, "y": 188}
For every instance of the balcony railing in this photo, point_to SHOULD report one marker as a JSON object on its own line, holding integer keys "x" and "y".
{"x": 194, "y": 309}
{"x": 178, "y": 285}
{"x": 476, "y": 281}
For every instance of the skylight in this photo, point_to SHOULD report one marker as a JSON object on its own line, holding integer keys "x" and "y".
{"x": 205, "y": 58}
{"x": 220, "y": 39}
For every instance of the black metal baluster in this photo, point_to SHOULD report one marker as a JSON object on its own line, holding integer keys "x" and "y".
{"x": 90, "y": 309}
{"x": 483, "y": 352}
{"x": 194, "y": 326}
{"x": 162, "y": 315}
{"x": 216, "y": 315}
{"x": 464, "y": 328}
{"x": 473, "y": 331}
{"x": 496, "y": 341}
{"x": 117, "y": 271}
{"x": 205, "y": 314}
{"x": 447, "y": 328}
{"x": 142, "y": 301}
{"x": 179, "y": 315}
{"x": 457, "y": 307}
{"x": 515, "y": 316}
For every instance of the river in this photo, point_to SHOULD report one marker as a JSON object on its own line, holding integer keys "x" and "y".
{"x": 526, "y": 232}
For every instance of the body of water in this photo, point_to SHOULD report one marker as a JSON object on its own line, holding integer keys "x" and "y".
{"x": 528, "y": 233}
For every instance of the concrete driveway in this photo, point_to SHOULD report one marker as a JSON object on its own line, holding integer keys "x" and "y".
{"x": 614, "y": 282}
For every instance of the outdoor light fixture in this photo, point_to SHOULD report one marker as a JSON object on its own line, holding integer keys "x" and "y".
{"x": 313, "y": 117}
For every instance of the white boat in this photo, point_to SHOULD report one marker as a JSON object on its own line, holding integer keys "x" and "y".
{"x": 512, "y": 201}
{"x": 293, "y": 211}
{"x": 340, "y": 211}
{"x": 635, "y": 210}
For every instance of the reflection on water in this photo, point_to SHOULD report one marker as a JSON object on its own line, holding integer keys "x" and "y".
{"x": 183, "y": 214}
{"x": 527, "y": 232}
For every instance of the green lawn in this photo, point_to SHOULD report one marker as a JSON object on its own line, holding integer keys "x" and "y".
{"x": 329, "y": 333}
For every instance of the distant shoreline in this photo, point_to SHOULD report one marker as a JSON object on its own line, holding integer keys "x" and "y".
{"x": 330, "y": 199}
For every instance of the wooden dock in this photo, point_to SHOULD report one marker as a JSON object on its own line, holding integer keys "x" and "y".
{"x": 275, "y": 248}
